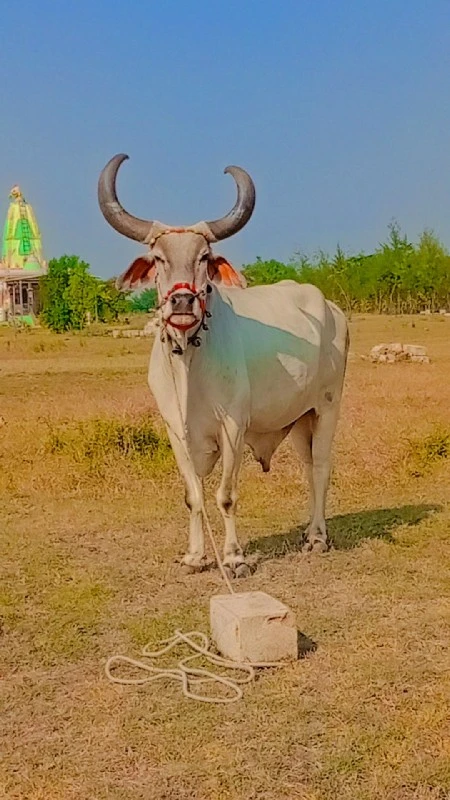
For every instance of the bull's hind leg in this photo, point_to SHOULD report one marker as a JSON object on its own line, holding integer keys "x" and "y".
{"x": 301, "y": 436}
{"x": 313, "y": 438}
{"x": 322, "y": 441}
{"x": 232, "y": 447}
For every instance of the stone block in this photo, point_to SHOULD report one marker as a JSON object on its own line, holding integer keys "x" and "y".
{"x": 254, "y": 627}
{"x": 415, "y": 349}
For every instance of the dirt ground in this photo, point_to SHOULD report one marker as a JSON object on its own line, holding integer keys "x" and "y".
{"x": 90, "y": 532}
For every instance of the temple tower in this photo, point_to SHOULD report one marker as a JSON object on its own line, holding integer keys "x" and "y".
{"x": 21, "y": 262}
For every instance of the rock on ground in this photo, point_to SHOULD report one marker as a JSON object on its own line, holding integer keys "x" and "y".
{"x": 395, "y": 351}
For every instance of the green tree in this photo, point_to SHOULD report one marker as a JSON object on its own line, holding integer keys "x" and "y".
{"x": 111, "y": 302}
{"x": 395, "y": 257}
{"x": 81, "y": 294}
{"x": 143, "y": 302}
{"x": 55, "y": 308}
{"x": 399, "y": 277}
{"x": 269, "y": 272}
{"x": 71, "y": 294}
{"x": 430, "y": 279}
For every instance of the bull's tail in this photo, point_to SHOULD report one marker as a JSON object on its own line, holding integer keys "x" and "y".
{"x": 347, "y": 348}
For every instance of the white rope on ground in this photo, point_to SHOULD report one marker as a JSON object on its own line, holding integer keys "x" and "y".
{"x": 186, "y": 674}
{"x": 197, "y": 641}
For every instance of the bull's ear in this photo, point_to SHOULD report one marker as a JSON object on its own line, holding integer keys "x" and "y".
{"x": 140, "y": 271}
{"x": 221, "y": 272}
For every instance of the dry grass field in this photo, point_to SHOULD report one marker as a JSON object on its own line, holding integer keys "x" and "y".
{"x": 92, "y": 521}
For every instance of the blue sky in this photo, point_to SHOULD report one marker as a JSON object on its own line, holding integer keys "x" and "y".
{"x": 339, "y": 109}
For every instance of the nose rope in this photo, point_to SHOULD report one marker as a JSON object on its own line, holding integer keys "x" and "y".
{"x": 190, "y": 288}
{"x": 197, "y": 293}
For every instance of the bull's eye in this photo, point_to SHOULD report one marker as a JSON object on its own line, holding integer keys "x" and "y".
{"x": 204, "y": 257}
{"x": 159, "y": 260}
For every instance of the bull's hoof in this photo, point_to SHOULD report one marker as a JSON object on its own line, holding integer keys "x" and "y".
{"x": 229, "y": 572}
{"x": 243, "y": 571}
{"x": 190, "y": 565}
{"x": 191, "y": 569}
{"x": 318, "y": 546}
{"x": 237, "y": 571}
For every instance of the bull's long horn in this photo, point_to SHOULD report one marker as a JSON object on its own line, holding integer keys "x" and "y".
{"x": 113, "y": 212}
{"x": 241, "y": 211}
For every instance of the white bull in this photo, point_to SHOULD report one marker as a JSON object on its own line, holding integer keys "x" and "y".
{"x": 235, "y": 366}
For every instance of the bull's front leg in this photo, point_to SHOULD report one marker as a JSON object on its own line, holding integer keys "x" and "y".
{"x": 232, "y": 447}
{"x": 195, "y": 558}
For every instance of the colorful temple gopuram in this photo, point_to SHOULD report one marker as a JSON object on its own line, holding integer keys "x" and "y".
{"x": 21, "y": 260}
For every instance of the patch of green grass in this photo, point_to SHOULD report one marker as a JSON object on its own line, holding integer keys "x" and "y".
{"x": 71, "y": 618}
{"x": 423, "y": 453}
{"x": 92, "y": 442}
{"x": 11, "y": 605}
{"x": 46, "y": 345}
{"x": 145, "y": 628}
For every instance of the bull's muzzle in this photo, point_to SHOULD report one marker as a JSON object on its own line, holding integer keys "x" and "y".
{"x": 184, "y": 307}
{"x": 182, "y": 302}
{"x": 183, "y": 310}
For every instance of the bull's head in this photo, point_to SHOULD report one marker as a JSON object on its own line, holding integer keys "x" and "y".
{"x": 179, "y": 261}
